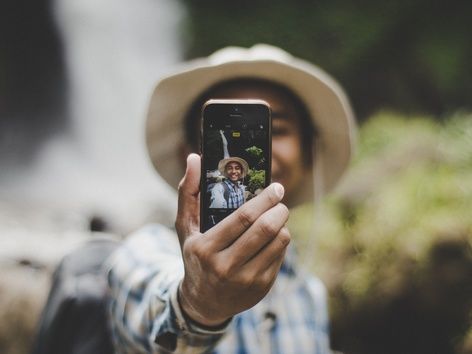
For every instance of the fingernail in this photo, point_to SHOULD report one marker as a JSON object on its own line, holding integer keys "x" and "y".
{"x": 279, "y": 190}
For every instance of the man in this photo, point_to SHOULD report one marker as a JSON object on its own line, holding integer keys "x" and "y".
{"x": 229, "y": 193}
{"x": 237, "y": 288}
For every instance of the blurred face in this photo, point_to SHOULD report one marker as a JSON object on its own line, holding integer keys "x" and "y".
{"x": 233, "y": 171}
{"x": 288, "y": 162}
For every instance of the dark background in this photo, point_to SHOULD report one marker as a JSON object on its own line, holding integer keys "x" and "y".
{"x": 33, "y": 83}
{"x": 411, "y": 56}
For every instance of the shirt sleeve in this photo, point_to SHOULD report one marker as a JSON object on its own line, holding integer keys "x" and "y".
{"x": 144, "y": 312}
{"x": 217, "y": 199}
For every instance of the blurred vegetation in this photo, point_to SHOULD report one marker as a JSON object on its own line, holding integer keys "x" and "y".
{"x": 255, "y": 157}
{"x": 256, "y": 180}
{"x": 394, "y": 243}
{"x": 413, "y": 56}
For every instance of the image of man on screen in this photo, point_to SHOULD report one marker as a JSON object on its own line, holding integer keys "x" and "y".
{"x": 229, "y": 193}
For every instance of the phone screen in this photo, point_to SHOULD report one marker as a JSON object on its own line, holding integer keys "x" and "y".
{"x": 236, "y": 156}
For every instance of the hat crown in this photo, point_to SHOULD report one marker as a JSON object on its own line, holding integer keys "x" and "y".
{"x": 255, "y": 53}
{"x": 325, "y": 100}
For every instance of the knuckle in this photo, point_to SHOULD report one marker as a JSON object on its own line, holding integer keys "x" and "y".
{"x": 245, "y": 217}
{"x": 181, "y": 185}
{"x": 188, "y": 249}
{"x": 178, "y": 224}
{"x": 282, "y": 212}
{"x": 265, "y": 281}
{"x": 222, "y": 273}
{"x": 268, "y": 278}
{"x": 267, "y": 226}
{"x": 198, "y": 250}
{"x": 284, "y": 209}
{"x": 247, "y": 280}
{"x": 284, "y": 237}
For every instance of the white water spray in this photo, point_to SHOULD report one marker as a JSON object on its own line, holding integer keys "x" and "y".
{"x": 115, "y": 51}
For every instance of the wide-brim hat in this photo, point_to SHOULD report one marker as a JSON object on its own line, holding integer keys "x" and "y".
{"x": 222, "y": 165}
{"x": 324, "y": 99}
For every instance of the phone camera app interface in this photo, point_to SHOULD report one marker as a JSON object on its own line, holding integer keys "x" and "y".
{"x": 235, "y": 166}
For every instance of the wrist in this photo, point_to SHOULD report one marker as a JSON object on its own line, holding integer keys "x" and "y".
{"x": 196, "y": 317}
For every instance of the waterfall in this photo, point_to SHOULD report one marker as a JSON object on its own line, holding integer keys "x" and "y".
{"x": 225, "y": 145}
{"x": 115, "y": 51}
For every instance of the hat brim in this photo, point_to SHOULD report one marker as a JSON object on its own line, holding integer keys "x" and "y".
{"x": 326, "y": 103}
{"x": 223, "y": 162}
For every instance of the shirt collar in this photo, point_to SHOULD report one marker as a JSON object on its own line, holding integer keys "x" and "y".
{"x": 231, "y": 184}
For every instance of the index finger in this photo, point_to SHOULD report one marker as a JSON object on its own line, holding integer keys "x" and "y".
{"x": 229, "y": 229}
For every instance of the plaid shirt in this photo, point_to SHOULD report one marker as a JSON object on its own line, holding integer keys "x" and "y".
{"x": 145, "y": 316}
{"x": 235, "y": 197}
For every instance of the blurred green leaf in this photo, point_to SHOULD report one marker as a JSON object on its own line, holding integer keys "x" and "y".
{"x": 394, "y": 243}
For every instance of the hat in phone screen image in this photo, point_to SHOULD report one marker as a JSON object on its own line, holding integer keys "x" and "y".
{"x": 244, "y": 166}
{"x": 325, "y": 100}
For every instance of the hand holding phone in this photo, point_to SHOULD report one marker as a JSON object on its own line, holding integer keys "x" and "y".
{"x": 232, "y": 266}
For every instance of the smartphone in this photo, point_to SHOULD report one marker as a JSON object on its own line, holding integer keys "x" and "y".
{"x": 236, "y": 148}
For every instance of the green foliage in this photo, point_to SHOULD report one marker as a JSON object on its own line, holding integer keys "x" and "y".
{"x": 255, "y": 157}
{"x": 394, "y": 244}
{"x": 256, "y": 180}
{"x": 386, "y": 53}
{"x": 254, "y": 151}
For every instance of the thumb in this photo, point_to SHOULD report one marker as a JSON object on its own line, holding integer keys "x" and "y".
{"x": 188, "y": 212}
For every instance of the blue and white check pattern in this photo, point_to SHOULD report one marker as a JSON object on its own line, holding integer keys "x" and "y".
{"x": 144, "y": 274}
{"x": 236, "y": 195}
